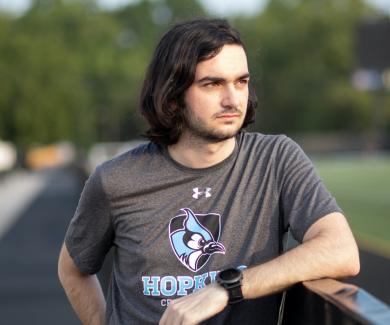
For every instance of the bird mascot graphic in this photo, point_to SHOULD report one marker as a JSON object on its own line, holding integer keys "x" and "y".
{"x": 192, "y": 242}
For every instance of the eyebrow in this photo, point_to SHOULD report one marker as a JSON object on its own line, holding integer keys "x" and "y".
{"x": 218, "y": 79}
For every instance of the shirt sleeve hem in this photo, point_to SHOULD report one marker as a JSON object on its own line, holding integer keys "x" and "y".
{"x": 298, "y": 235}
{"x": 77, "y": 261}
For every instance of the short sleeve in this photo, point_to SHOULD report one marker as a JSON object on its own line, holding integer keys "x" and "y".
{"x": 90, "y": 232}
{"x": 304, "y": 198}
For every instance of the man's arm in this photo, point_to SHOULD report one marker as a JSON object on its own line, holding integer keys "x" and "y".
{"x": 84, "y": 291}
{"x": 328, "y": 250}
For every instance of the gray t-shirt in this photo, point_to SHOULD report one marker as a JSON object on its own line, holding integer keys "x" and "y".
{"x": 173, "y": 227}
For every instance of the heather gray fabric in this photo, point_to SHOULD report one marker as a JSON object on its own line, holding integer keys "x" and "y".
{"x": 174, "y": 227}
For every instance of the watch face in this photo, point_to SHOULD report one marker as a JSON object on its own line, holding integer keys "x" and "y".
{"x": 230, "y": 275}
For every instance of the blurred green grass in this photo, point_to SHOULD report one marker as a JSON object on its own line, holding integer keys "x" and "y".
{"x": 361, "y": 185}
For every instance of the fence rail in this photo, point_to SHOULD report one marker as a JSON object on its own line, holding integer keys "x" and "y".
{"x": 330, "y": 302}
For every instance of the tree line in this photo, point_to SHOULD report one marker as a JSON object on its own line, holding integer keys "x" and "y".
{"x": 72, "y": 71}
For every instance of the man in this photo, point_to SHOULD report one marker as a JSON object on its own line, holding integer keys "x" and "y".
{"x": 196, "y": 216}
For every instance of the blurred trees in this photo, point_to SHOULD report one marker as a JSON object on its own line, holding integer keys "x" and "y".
{"x": 69, "y": 70}
{"x": 304, "y": 55}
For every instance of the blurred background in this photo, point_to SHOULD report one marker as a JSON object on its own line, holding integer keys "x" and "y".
{"x": 70, "y": 76}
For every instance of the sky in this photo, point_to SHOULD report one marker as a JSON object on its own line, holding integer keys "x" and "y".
{"x": 219, "y": 7}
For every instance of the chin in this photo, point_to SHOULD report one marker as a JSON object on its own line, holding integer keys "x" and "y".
{"x": 215, "y": 132}
{"x": 222, "y": 135}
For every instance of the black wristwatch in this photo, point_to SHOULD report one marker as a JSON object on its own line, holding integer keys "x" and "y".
{"x": 231, "y": 280}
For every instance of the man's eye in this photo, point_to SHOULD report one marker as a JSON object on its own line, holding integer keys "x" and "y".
{"x": 244, "y": 81}
{"x": 212, "y": 84}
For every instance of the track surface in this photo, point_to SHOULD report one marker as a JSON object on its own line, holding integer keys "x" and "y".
{"x": 29, "y": 289}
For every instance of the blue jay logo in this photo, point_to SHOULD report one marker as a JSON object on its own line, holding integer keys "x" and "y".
{"x": 191, "y": 241}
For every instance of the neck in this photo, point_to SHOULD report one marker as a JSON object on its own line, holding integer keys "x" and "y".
{"x": 198, "y": 153}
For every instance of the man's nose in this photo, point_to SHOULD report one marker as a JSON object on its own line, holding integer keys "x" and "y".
{"x": 231, "y": 97}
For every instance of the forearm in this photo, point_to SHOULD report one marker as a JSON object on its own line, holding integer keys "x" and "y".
{"x": 322, "y": 254}
{"x": 328, "y": 250}
{"x": 83, "y": 291}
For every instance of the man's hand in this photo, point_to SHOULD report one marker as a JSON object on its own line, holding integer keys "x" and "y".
{"x": 196, "y": 307}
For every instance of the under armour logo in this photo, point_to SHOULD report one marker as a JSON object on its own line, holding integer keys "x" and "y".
{"x": 198, "y": 193}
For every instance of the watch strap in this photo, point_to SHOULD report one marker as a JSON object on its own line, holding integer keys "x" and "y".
{"x": 235, "y": 294}
{"x": 232, "y": 286}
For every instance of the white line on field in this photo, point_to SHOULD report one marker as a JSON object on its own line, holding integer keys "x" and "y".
{"x": 17, "y": 191}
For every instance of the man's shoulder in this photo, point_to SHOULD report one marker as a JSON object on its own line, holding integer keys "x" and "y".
{"x": 256, "y": 139}
{"x": 267, "y": 147}
{"x": 129, "y": 159}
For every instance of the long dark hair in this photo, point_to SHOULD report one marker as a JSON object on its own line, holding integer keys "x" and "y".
{"x": 172, "y": 71}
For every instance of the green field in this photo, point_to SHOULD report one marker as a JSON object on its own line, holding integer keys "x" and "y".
{"x": 361, "y": 185}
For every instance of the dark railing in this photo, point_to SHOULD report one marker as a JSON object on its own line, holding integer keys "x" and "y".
{"x": 330, "y": 302}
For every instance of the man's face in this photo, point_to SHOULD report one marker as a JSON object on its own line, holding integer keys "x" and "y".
{"x": 216, "y": 102}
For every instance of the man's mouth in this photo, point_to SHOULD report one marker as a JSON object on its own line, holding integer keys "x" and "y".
{"x": 229, "y": 115}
